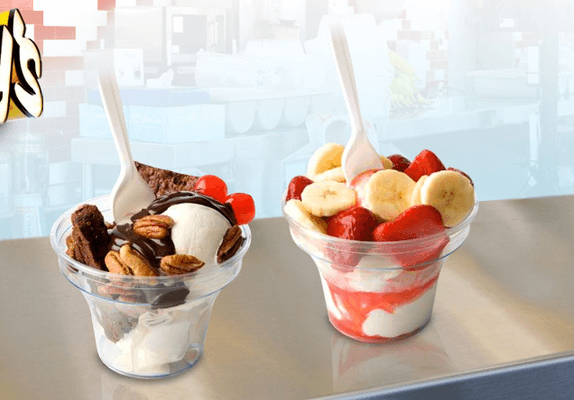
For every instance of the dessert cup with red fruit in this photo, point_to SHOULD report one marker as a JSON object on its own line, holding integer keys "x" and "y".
{"x": 150, "y": 304}
{"x": 378, "y": 247}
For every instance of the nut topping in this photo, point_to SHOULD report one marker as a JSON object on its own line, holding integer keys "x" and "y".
{"x": 115, "y": 264}
{"x": 231, "y": 243}
{"x": 153, "y": 226}
{"x": 180, "y": 264}
{"x": 128, "y": 262}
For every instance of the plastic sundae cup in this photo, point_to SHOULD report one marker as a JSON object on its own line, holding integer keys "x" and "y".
{"x": 380, "y": 291}
{"x": 146, "y": 327}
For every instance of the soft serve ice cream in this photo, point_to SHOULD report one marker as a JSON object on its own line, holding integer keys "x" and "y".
{"x": 197, "y": 230}
{"x": 379, "y": 241}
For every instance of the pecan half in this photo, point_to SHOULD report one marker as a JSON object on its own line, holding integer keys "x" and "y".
{"x": 231, "y": 242}
{"x": 176, "y": 264}
{"x": 153, "y": 226}
{"x": 111, "y": 290}
{"x": 128, "y": 262}
{"x": 115, "y": 264}
{"x": 136, "y": 262}
{"x": 126, "y": 298}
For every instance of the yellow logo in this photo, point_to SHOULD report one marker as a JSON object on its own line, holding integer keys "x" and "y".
{"x": 20, "y": 69}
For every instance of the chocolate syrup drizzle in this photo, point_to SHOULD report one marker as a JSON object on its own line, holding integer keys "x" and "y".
{"x": 154, "y": 249}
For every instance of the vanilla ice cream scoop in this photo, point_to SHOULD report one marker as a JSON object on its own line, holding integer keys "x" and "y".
{"x": 197, "y": 230}
{"x": 199, "y": 226}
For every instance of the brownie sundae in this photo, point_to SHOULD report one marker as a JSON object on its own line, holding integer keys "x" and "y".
{"x": 151, "y": 282}
{"x": 191, "y": 222}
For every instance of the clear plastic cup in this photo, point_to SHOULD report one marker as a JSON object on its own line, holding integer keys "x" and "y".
{"x": 379, "y": 291}
{"x": 146, "y": 327}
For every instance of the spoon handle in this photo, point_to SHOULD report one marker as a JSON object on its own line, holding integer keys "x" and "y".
{"x": 113, "y": 106}
{"x": 346, "y": 74}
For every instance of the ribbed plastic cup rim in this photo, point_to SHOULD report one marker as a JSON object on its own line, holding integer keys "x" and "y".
{"x": 63, "y": 227}
{"x": 382, "y": 248}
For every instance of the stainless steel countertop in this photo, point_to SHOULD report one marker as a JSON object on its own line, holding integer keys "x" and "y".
{"x": 504, "y": 302}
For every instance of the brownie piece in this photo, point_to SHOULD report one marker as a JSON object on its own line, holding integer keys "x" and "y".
{"x": 115, "y": 323}
{"x": 90, "y": 238}
{"x": 163, "y": 181}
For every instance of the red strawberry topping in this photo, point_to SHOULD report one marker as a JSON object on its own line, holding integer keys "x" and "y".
{"x": 400, "y": 163}
{"x": 425, "y": 163}
{"x": 415, "y": 222}
{"x": 296, "y": 186}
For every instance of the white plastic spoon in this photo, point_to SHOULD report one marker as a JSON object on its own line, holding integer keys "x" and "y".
{"x": 130, "y": 193}
{"x": 359, "y": 154}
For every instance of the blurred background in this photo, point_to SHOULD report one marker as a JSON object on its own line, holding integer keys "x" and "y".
{"x": 247, "y": 90}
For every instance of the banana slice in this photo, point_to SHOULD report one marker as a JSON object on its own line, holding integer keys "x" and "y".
{"x": 335, "y": 174}
{"x": 387, "y": 164}
{"x": 449, "y": 192}
{"x": 388, "y": 193}
{"x": 416, "y": 197}
{"x": 327, "y": 198}
{"x": 296, "y": 210}
{"x": 325, "y": 158}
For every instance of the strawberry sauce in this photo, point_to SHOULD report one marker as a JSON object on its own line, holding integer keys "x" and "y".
{"x": 358, "y": 305}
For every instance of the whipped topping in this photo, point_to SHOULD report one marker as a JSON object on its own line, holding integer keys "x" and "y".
{"x": 405, "y": 319}
{"x": 160, "y": 338}
{"x": 371, "y": 280}
{"x": 197, "y": 230}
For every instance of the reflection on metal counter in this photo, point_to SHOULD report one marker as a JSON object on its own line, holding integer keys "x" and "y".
{"x": 356, "y": 365}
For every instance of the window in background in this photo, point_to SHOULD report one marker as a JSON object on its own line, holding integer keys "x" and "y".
{"x": 247, "y": 90}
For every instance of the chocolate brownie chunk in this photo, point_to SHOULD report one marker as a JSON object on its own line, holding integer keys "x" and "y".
{"x": 90, "y": 238}
{"x": 114, "y": 322}
{"x": 72, "y": 250}
{"x": 171, "y": 297}
{"x": 163, "y": 181}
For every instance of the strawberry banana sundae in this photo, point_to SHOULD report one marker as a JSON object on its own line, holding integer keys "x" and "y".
{"x": 379, "y": 241}
{"x": 146, "y": 326}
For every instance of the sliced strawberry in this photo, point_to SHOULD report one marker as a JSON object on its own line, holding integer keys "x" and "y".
{"x": 342, "y": 259}
{"x": 462, "y": 173}
{"x": 425, "y": 163}
{"x": 400, "y": 163}
{"x": 356, "y": 223}
{"x": 415, "y": 222}
{"x": 296, "y": 186}
{"x": 359, "y": 181}
{"x": 419, "y": 255}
